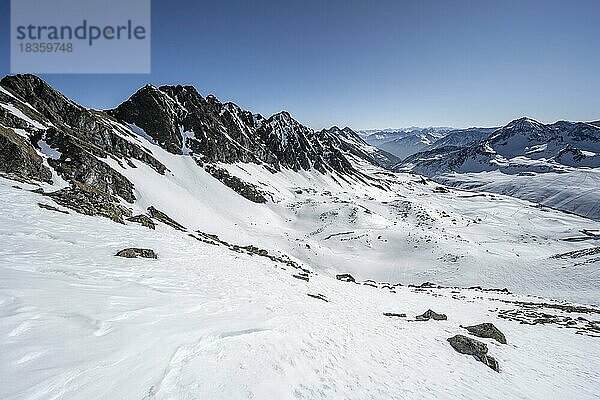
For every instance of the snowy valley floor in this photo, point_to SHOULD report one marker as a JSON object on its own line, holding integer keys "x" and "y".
{"x": 204, "y": 322}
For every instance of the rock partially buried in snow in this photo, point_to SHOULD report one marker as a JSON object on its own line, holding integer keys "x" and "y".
{"x": 134, "y": 252}
{"x": 318, "y": 296}
{"x": 302, "y": 277}
{"x": 486, "y": 330}
{"x": 87, "y": 200}
{"x": 475, "y": 348}
{"x": 165, "y": 219}
{"x": 430, "y": 314}
{"x": 52, "y": 208}
{"x": 345, "y": 278}
{"x": 389, "y": 314}
{"x": 143, "y": 220}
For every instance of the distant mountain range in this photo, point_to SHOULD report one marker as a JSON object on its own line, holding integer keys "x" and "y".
{"x": 407, "y": 141}
{"x": 550, "y": 164}
{"x": 524, "y": 145}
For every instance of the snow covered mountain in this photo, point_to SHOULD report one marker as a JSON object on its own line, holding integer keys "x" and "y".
{"x": 462, "y": 137}
{"x": 406, "y": 141}
{"x": 273, "y": 261}
{"x": 554, "y": 164}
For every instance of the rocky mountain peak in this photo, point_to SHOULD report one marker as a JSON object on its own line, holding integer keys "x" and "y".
{"x": 525, "y": 124}
{"x": 180, "y": 120}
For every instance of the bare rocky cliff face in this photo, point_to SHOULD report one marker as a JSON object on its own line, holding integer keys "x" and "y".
{"x": 181, "y": 121}
{"x": 43, "y": 132}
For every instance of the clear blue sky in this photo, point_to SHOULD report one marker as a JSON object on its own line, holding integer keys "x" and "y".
{"x": 370, "y": 64}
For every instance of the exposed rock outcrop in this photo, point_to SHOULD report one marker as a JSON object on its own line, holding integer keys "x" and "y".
{"x": 244, "y": 189}
{"x": 143, "y": 220}
{"x": 18, "y": 157}
{"x": 87, "y": 200}
{"x": 486, "y": 330}
{"x": 475, "y": 348}
{"x": 430, "y": 314}
{"x": 52, "y": 208}
{"x": 82, "y": 137}
{"x": 165, "y": 219}
{"x": 389, "y": 314}
{"x": 345, "y": 278}
{"x": 134, "y": 252}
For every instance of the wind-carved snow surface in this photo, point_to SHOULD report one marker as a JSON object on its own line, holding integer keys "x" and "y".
{"x": 204, "y": 322}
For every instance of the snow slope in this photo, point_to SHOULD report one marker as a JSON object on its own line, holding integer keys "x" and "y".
{"x": 577, "y": 191}
{"x": 202, "y": 321}
{"x": 389, "y": 228}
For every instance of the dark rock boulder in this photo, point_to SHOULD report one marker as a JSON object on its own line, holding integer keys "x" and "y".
{"x": 486, "y": 330}
{"x": 475, "y": 348}
{"x": 430, "y": 314}
{"x": 389, "y": 314}
{"x": 301, "y": 277}
{"x": 134, "y": 252}
{"x": 165, "y": 219}
{"x": 345, "y": 278}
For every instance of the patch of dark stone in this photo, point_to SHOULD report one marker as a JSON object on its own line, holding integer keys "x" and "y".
{"x": 430, "y": 314}
{"x": 389, "y": 314}
{"x": 431, "y": 285}
{"x": 165, "y": 219}
{"x": 568, "y": 308}
{"x": 301, "y": 277}
{"x": 475, "y": 348}
{"x": 18, "y": 157}
{"x": 203, "y": 239}
{"x": 249, "y": 249}
{"x": 345, "y": 278}
{"x": 426, "y": 285}
{"x": 244, "y": 189}
{"x": 318, "y": 296}
{"x": 143, "y": 220}
{"x": 52, "y": 208}
{"x": 536, "y": 317}
{"x": 503, "y": 290}
{"x": 87, "y": 200}
{"x": 18, "y": 178}
{"x": 486, "y": 330}
{"x": 579, "y": 253}
{"x": 134, "y": 252}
